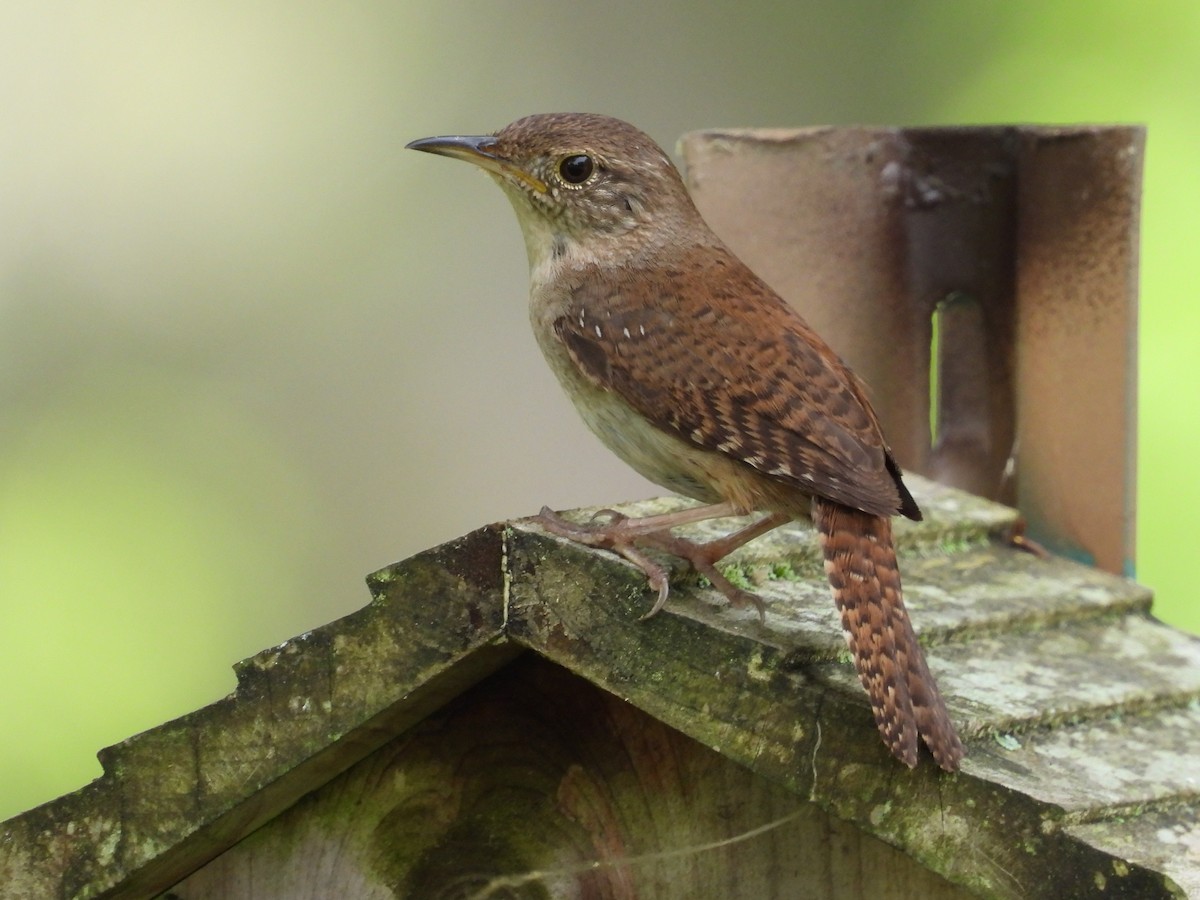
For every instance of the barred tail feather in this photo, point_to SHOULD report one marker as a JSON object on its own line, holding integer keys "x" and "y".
{"x": 860, "y": 563}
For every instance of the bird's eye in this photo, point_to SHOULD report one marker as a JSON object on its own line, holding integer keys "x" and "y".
{"x": 577, "y": 168}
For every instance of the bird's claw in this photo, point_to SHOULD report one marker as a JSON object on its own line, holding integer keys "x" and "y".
{"x": 617, "y": 535}
{"x": 1018, "y": 539}
{"x": 611, "y": 515}
{"x": 664, "y": 589}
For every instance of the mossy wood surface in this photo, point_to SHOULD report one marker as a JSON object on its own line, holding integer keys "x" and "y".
{"x": 524, "y": 783}
{"x": 1079, "y": 711}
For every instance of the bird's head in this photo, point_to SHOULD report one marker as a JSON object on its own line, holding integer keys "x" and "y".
{"x": 575, "y": 179}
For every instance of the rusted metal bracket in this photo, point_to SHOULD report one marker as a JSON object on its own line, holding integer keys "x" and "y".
{"x": 982, "y": 281}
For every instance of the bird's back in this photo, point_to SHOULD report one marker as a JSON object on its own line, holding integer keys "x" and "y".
{"x": 707, "y": 352}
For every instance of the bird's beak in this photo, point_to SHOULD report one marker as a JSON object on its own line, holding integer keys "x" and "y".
{"x": 480, "y": 150}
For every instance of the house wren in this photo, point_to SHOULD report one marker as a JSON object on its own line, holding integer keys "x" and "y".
{"x": 698, "y": 375}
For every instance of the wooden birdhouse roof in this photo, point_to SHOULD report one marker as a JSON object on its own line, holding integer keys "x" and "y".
{"x": 500, "y": 710}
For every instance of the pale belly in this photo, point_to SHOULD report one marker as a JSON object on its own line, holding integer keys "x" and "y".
{"x": 651, "y": 452}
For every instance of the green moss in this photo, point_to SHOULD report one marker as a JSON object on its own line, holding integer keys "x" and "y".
{"x": 783, "y": 571}
{"x": 740, "y": 576}
{"x": 1007, "y": 741}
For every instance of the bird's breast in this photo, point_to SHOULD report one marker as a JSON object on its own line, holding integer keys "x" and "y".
{"x": 652, "y": 452}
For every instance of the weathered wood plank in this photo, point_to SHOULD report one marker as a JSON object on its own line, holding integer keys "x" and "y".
{"x": 1037, "y": 658}
{"x": 777, "y": 702}
{"x": 1054, "y": 675}
{"x": 537, "y": 784}
{"x": 1166, "y": 840}
{"x": 1123, "y": 764}
{"x": 177, "y": 795}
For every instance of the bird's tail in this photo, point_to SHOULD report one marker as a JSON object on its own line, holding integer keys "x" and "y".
{"x": 860, "y": 562}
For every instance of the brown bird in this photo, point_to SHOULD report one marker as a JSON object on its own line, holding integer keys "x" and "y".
{"x": 698, "y": 375}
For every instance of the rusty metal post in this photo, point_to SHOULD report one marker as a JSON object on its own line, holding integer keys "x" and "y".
{"x": 1077, "y": 270}
{"x": 1017, "y": 247}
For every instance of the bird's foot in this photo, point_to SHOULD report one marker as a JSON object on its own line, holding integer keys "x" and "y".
{"x": 1021, "y": 541}
{"x": 625, "y": 537}
{"x": 615, "y": 535}
{"x": 703, "y": 558}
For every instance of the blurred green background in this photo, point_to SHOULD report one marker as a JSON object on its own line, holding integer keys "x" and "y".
{"x": 251, "y": 351}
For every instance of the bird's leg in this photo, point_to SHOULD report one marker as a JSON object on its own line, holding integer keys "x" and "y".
{"x": 620, "y": 532}
{"x": 623, "y": 535}
{"x": 719, "y": 548}
{"x": 703, "y": 557}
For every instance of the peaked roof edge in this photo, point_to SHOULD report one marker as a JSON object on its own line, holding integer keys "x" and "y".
{"x": 179, "y": 794}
